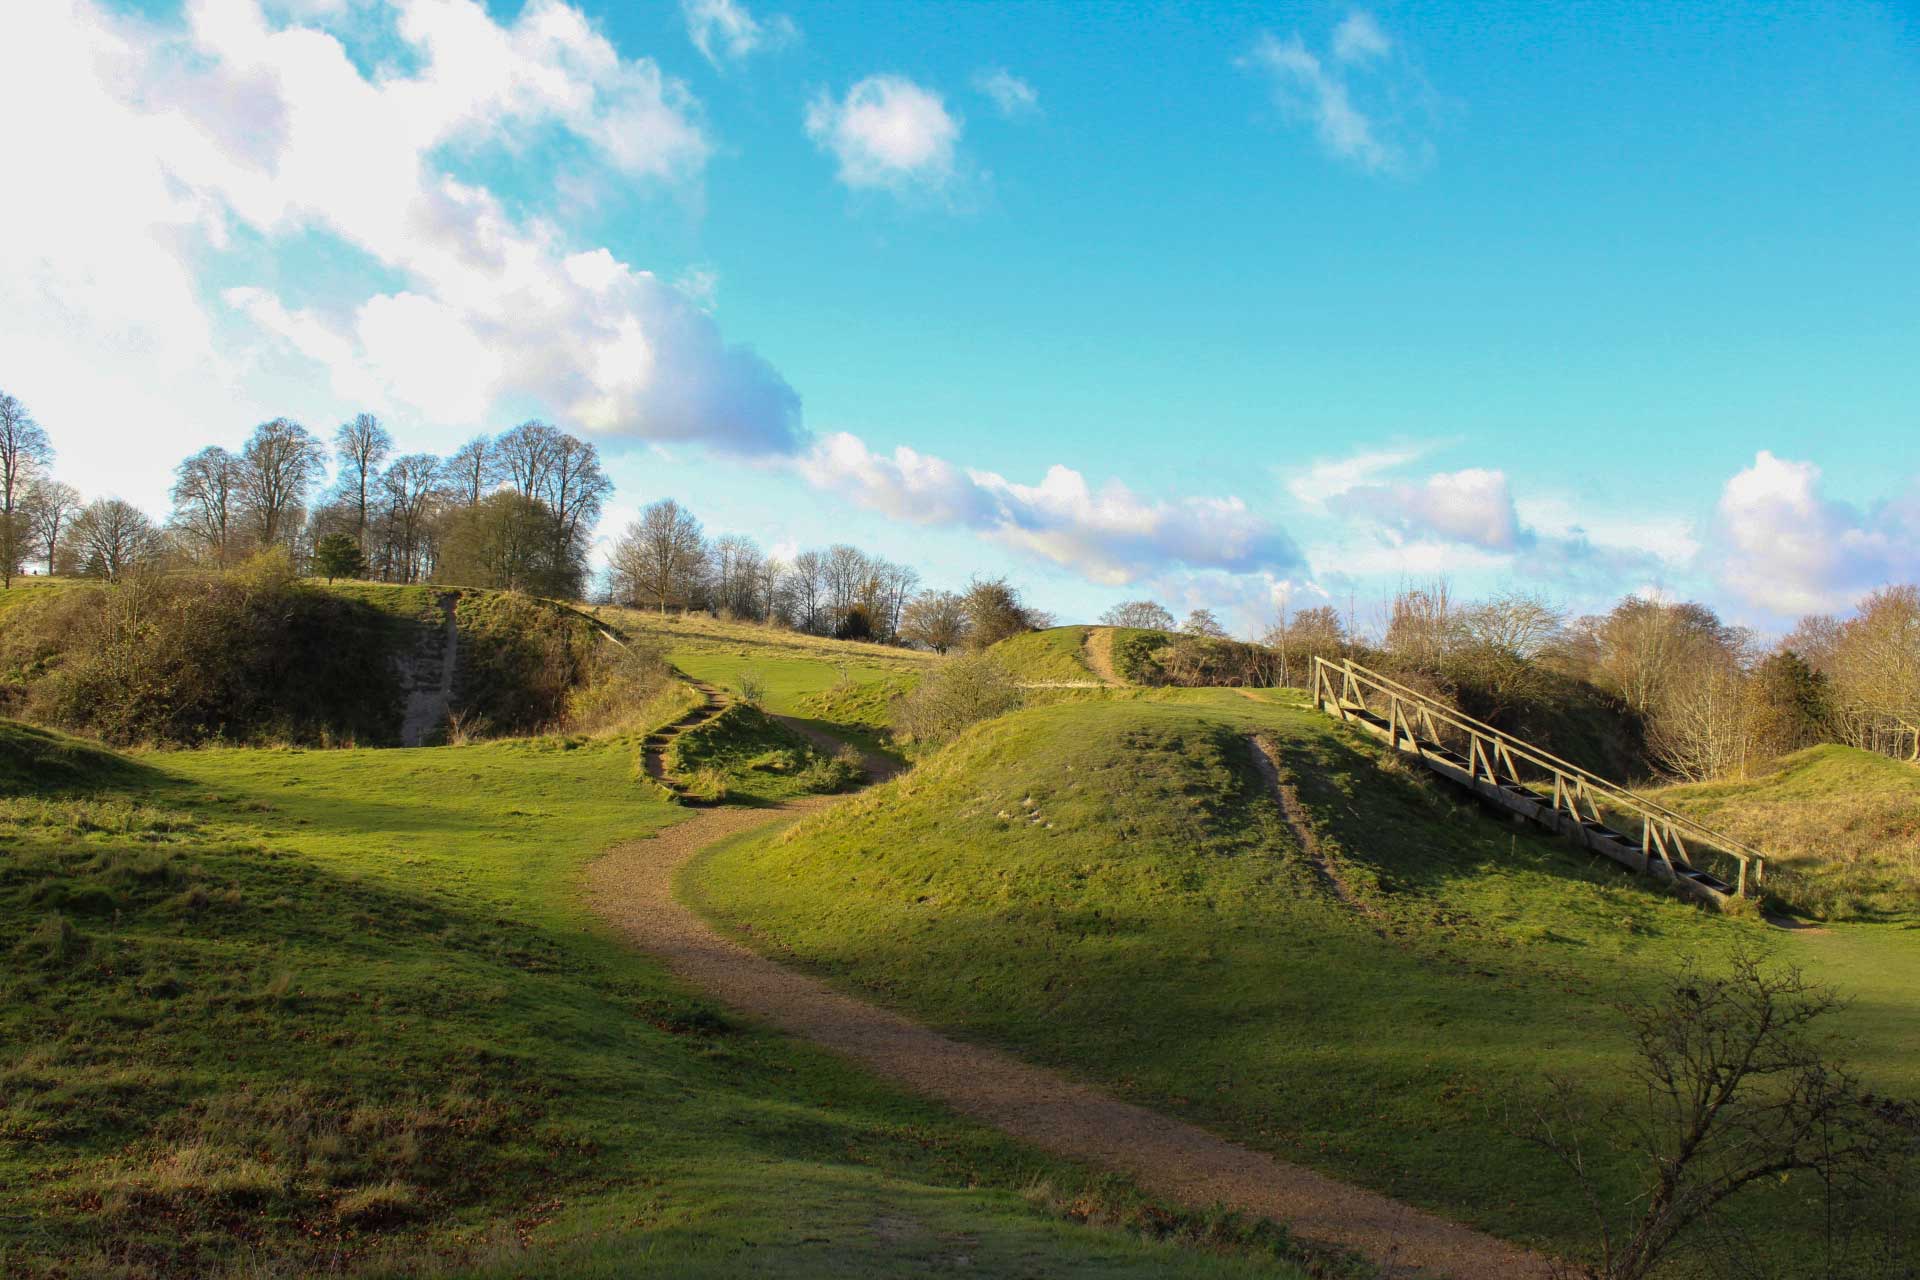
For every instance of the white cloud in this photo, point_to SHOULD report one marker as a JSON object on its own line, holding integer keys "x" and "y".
{"x": 1787, "y": 549}
{"x": 1328, "y": 478}
{"x": 1474, "y": 506}
{"x": 724, "y": 29}
{"x": 1359, "y": 38}
{"x": 1008, "y": 92}
{"x": 1109, "y": 535}
{"x": 1363, "y": 96}
{"x": 888, "y": 133}
{"x": 235, "y": 124}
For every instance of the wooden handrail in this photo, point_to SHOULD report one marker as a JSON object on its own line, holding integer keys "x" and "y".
{"x": 1647, "y": 810}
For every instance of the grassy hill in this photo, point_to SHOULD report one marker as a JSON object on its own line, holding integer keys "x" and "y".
{"x": 1111, "y": 886}
{"x": 296, "y": 1011}
{"x": 1056, "y": 655}
{"x": 1842, "y": 826}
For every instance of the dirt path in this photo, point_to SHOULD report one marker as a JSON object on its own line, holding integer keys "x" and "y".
{"x": 1098, "y": 649}
{"x": 633, "y": 888}
{"x": 1267, "y": 760}
{"x": 653, "y": 752}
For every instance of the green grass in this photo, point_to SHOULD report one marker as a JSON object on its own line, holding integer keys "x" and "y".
{"x": 1841, "y": 828}
{"x": 1056, "y": 655}
{"x": 1106, "y": 885}
{"x": 39, "y": 587}
{"x": 314, "y": 1010}
{"x": 42, "y": 760}
{"x": 744, "y": 755}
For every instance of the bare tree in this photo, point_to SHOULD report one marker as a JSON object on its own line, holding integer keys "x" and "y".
{"x": 361, "y": 446}
{"x": 1702, "y": 727}
{"x": 1737, "y": 1094}
{"x": 25, "y": 452}
{"x": 936, "y": 620}
{"x": 1146, "y": 615}
{"x": 1423, "y": 624}
{"x": 407, "y": 493}
{"x": 807, "y": 582}
{"x": 1645, "y": 644}
{"x": 46, "y": 511}
{"x": 575, "y": 488}
{"x": 527, "y": 455}
{"x": 278, "y": 466}
{"x": 661, "y": 557}
{"x": 1201, "y": 622}
{"x": 1500, "y": 645}
{"x": 773, "y": 586}
{"x": 1875, "y": 667}
{"x": 471, "y": 471}
{"x": 896, "y": 584}
{"x": 207, "y": 502}
{"x": 112, "y": 538}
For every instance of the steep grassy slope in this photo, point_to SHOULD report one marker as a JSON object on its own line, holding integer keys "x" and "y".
{"x": 1056, "y": 655}
{"x": 289, "y": 1012}
{"x": 1111, "y": 886}
{"x": 1842, "y": 826}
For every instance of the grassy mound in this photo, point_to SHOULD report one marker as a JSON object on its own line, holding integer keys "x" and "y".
{"x": 295, "y": 1012}
{"x": 1841, "y": 826}
{"x": 40, "y": 760}
{"x": 1054, "y": 656}
{"x": 1113, "y": 887}
{"x": 744, "y": 753}
{"x": 251, "y": 655}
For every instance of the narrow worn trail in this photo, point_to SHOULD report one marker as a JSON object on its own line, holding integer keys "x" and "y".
{"x": 632, "y": 887}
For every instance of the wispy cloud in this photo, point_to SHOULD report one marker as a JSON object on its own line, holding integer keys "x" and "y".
{"x": 1361, "y": 92}
{"x": 1327, "y": 478}
{"x": 727, "y": 31}
{"x": 1109, "y": 534}
{"x": 1011, "y": 95}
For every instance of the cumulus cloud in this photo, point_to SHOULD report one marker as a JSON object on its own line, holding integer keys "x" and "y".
{"x": 1788, "y": 549}
{"x": 1109, "y": 535}
{"x": 1471, "y": 520}
{"x": 1011, "y": 95}
{"x": 234, "y": 123}
{"x": 1474, "y": 507}
{"x": 723, "y": 30}
{"x": 1363, "y": 96}
{"x": 887, "y": 133}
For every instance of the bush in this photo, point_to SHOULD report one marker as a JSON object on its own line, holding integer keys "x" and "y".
{"x": 617, "y": 687}
{"x": 961, "y": 693}
{"x": 521, "y": 658}
{"x": 249, "y": 655}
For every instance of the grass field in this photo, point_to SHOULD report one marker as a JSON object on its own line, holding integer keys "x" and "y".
{"x": 1107, "y": 886}
{"x": 1842, "y": 827}
{"x": 343, "y": 1009}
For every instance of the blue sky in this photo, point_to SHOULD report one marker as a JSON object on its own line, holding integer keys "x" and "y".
{"x": 1208, "y": 303}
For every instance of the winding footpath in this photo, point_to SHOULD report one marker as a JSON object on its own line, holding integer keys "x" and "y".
{"x": 632, "y": 887}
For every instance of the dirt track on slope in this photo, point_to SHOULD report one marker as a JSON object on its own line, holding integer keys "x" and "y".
{"x": 1098, "y": 650}
{"x": 632, "y": 887}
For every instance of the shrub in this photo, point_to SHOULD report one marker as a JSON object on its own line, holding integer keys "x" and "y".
{"x": 961, "y": 693}
{"x": 521, "y": 658}
{"x": 248, "y": 655}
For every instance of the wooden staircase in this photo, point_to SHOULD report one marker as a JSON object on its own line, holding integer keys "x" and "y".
{"x": 1536, "y": 785}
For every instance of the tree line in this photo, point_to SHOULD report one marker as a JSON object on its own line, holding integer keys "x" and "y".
{"x": 516, "y": 511}
{"x": 665, "y": 561}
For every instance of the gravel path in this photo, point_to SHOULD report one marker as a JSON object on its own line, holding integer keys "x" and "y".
{"x": 632, "y": 887}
